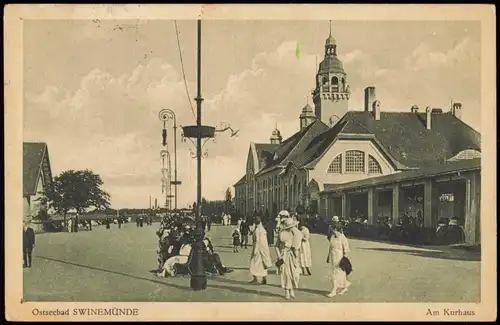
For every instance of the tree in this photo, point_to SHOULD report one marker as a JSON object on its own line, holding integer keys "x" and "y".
{"x": 76, "y": 190}
{"x": 229, "y": 201}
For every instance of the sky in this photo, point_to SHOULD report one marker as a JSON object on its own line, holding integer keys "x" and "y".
{"x": 93, "y": 89}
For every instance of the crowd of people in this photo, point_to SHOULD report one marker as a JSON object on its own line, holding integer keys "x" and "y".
{"x": 293, "y": 253}
{"x": 177, "y": 234}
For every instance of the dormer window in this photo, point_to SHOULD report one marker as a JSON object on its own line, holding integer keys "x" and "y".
{"x": 336, "y": 165}
{"x": 373, "y": 166}
{"x": 355, "y": 161}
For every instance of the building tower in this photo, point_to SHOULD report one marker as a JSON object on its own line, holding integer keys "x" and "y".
{"x": 332, "y": 93}
{"x": 276, "y": 137}
{"x": 307, "y": 116}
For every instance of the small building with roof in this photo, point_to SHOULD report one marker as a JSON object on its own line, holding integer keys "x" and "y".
{"x": 368, "y": 163}
{"x": 37, "y": 176}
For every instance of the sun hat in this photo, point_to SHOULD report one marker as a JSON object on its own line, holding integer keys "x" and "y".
{"x": 453, "y": 222}
{"x": 335, "y": 219}
{"x": 289, "y": 223}
{"x": 284, "y": 213}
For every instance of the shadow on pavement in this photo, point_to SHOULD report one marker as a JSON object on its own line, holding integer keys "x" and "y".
{"x": 115, "y": 272}
{"x": 185, "y": 288}
{"x": 431, "y": 254}
{"x": 245, "y": 291}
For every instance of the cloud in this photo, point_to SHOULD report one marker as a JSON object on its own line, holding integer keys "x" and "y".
{"x": 110, "y": 123}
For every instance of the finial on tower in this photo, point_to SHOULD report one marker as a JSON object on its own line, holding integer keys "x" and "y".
{"x": 330, "y": 28}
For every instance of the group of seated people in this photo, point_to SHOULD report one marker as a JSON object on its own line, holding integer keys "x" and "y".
{"x": 175, "y": 253}
{"x": 448, "y": 232}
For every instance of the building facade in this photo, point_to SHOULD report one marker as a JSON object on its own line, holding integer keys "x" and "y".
{"x": 370, "y": 163}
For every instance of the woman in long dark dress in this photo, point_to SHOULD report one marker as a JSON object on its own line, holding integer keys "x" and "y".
{"x": 270, "y": 227}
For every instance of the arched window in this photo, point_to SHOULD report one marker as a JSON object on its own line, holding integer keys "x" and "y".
{"x": 336, "y": 165}
{"x": 335, "y": 83}
{"x": 325, "y": 80}
{"x": 355, "y": 161}
{"x": 373, "y": 166}
{"x": 466, "y": 154}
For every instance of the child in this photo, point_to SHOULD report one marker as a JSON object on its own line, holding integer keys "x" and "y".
{"x": 236, "y": 240}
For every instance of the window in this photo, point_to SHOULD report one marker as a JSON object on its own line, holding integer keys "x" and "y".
{"x": 466, "y": 154}
{"x": 355, "y": 161}
{"x": 336, "y": 165}
{"x": 373, "y": 166}
{"x": 335, "y": 83}
{"x": 325, "y": 80}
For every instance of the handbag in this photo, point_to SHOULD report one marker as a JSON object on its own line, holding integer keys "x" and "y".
{"x": 345, "y": 265}
{"x": 279, "y": 263}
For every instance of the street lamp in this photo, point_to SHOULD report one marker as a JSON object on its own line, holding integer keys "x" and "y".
{"x": 199, "y": 132}
{"x": 164, "y": 116}
{"x": 168, "y": 197}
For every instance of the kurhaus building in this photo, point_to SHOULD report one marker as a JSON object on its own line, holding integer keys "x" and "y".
{"x": 368, "y": 163}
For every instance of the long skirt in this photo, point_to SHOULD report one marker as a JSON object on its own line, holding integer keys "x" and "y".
{"x": 289, "y": 270}
{"x": 257, "y": 266}
{"x": 305, "y": 258}
{"x": 337, "y": 275}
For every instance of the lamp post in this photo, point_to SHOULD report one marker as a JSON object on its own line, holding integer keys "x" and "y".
{"x": 199, "y": 132}
{"x": 168, "y": 196}
{"x": 164, "y": 116}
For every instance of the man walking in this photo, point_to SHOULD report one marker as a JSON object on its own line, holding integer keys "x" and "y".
{"x": 244, "y": 230}
{"x": 28, "y": 243}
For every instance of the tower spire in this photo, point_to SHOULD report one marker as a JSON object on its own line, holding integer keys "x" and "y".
{"x": 330, "y": 28}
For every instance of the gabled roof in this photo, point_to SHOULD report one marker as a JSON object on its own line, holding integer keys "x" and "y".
{"x": 264, "y": 150}
{"x": 295, "y": 145}
{"x": 430, "y": 171}
{"x": 402, "y": 136}
{"x": 34, "y": 154}
{"x": 406, "y": 138}
{"x": 241, "y": 181}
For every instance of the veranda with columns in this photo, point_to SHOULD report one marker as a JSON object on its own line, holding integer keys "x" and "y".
{"x": 449, "y": 190}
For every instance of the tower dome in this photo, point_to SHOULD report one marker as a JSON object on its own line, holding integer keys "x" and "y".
{"x": 276, "y": 137}
{"x": 330, "y": 40}
{"x": 307, "y": 109}
{"x": 307, "y": 116}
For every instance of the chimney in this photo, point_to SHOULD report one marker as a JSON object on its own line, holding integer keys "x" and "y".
{"x": 428, "y": 117}
{"x": 456, "y": 110}
{"x": 414, "y": 109}
{"x": 369, "y": 98}
{"x": 376, "y": 110}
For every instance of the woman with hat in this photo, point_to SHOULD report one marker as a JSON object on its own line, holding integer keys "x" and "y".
{"x": 288, "y": 247}
{"x": 338, "y": 247}
{"x": 260, "y": 260}
{"x": 335, "y": 221}
{"x": 305, "y": 258}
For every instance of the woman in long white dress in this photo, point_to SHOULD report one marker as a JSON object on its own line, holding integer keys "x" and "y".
{"x": 288, "y": 246}
{"x": 338, "y": 248}
{"x": 305, "y": 258}
{"x": 260, "y": 260}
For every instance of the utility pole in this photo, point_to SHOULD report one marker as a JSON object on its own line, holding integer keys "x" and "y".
{"x": 198, "y": 278}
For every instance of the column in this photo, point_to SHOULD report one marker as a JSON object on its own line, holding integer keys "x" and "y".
{"x": 344, "y": 206}
{"x": 371, "y": 206}
{"x": 429, "y": 207}
{"x": 472, "y": 209}
{"x": 395, "y": 203}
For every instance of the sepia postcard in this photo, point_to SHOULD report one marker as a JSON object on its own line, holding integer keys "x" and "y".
{"x": 250, "y": 162}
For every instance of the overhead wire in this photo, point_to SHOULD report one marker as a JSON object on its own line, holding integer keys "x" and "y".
{"x": 182, "y": 68}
